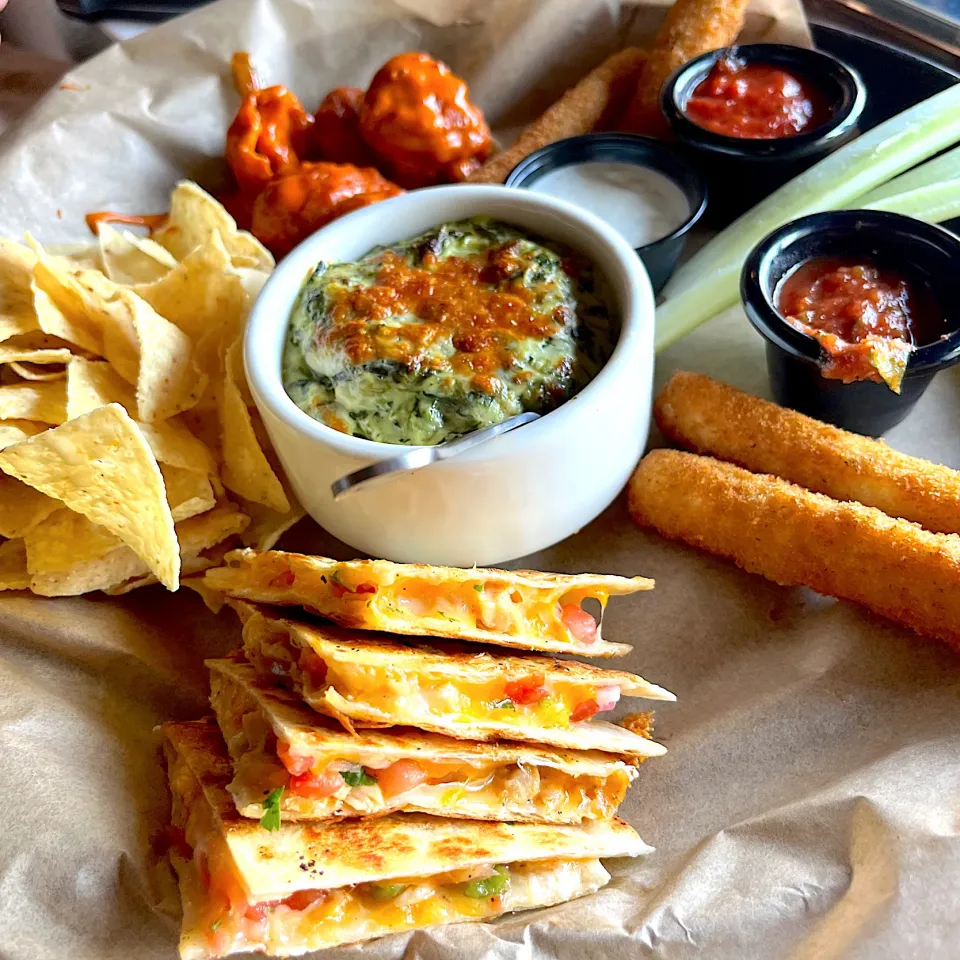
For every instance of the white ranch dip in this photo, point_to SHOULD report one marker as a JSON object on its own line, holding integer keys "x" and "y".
{"x": 642, "y": 204}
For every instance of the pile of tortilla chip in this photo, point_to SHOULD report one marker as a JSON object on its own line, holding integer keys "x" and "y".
{"x": 130, "y": 449}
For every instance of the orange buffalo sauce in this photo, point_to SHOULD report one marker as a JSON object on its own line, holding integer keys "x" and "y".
{"x": 267, "y": 137}
{"x": 152, "y": 221}
{"x": 336, "y": 129}
{"x": 418, "y": 119}
{"x": 291, "y": 207}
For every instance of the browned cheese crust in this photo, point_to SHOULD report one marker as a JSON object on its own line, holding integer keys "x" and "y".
{"x": 578, "y": 111}
{"x": 706, "y": 416}
{"x": 795, "y": 537}
{"x": 690, "y": 28}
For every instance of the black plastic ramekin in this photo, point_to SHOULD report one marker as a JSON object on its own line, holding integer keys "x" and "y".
{"x": 660, "y": 256}
{"x": 922, "y": 252}
{"x": 740, "y": 172}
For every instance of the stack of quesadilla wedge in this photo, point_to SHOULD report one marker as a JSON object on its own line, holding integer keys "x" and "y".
{"x": 359, "y": 779}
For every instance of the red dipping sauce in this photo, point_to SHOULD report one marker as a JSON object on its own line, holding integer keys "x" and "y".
{"x": 755, "y": 101}
{"x": 866, "y": 318}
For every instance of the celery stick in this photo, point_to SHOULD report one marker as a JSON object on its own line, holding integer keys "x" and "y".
{"x": 709, "y": 281}
{"x": 944, "y": 167}
{"x": 934, "y": 203}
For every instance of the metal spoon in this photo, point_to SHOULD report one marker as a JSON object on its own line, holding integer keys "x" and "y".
{"x": 424, "y": 456}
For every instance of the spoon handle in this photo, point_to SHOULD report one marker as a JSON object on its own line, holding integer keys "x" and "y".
{"x": 421, "y": 457}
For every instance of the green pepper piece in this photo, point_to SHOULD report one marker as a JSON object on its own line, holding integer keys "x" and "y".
{"x": 358, "y": 778}
{"x": 271, "y": 810}
{"x": 489, "y": 886}
{"x": 382, "y": 892}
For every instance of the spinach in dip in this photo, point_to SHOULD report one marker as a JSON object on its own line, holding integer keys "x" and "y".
{"x": 446, "y": 333}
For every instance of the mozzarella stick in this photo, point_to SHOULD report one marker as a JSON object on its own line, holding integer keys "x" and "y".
{"x": 797, "y": 538}
{"x": 691, "y": 27}
{"x": 577, "y": 111}
{"x": 706, "y": 416}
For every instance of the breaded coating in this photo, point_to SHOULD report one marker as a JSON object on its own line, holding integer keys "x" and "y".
{"x": 578, "y": 111}
{"x": 691, "y": 27}
{"x": 795, "y": 537}
{"x": 706, "y": 416}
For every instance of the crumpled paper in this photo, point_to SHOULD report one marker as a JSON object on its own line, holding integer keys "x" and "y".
{"x": 808, "y": 808}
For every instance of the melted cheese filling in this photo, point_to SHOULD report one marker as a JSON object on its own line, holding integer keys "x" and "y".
{"x": 483, "y": 789}
{"x": 398, "y": 693}
{"x": 509, "y": 609}
{"x": 505, "y": 789}
{"x": 418, "y": 697}
{"x": 513, "y": 610}
{"x": 219, "y": 919}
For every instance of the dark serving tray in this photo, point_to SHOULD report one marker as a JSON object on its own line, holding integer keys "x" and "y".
{"x": 896, "y": 79}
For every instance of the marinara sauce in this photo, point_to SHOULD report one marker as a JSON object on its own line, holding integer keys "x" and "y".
{"x": 755, "y": 101}
{"x": 850, "y": 306}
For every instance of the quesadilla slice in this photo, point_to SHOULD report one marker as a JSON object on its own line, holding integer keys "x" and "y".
{"x": 324, "y": 772}
{"x": 506, "y": 608}
{"x": 286, "y": 889}
{"x": 366, "y": 680}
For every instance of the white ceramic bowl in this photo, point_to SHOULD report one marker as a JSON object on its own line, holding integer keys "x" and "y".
{"x": 512, "y": 496}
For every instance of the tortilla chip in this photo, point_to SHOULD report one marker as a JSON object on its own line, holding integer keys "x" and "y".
{"x": 173, "y": 444}
{"x": 201, "y": 293}
{"x": 65, "y": 540}
{"x": 188, "y": 493}
{"x": 77, "y": 330}
{"x": 99, "y": 561}
{"x": 195, "y": 216}
{"x": 22, "y": 507}
{"x": 246, "y": 470}
{"x": 253, "y": 279}
{"x": 13, "y": 566}
{"x": 16, "y": 271}
{"x": 13, "y": 354}
{"x": 94, "y": 383}
{"x": 212, "y": 528}
{"x": 213, "y": 600}
{"x": 168, "y": 381}
{"x": 233, "y": 367}
{"x": 203, "y": 421}
{"x": 13, "y": 431}
{"x": 16, "y": 300}
{"x": 84, "y": 255}
{"x": 198, "y": 536}
{"x": 46, "y": 402}
{"x": 190, "y": 566}
{"x": 208, "y": 356}
{"x": 889, "y": 357}
{"x": 67, "y": 555}
{"x": 101, "y": 466}
{"x": 32, "y": 364}
{"x": 129, "y": 259}
{"x": 12, "y": 326}
{"x": 111, "y": 321}
{"x": 41, "y": 373}
{"x": 38, "y": 340}
{"x": 266, "y": 525}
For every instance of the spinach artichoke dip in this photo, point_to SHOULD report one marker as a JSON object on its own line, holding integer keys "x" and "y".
{"x": 443, "y": 334}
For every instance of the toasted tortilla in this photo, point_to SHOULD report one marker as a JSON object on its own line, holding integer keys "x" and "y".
{"x": 356, "y": 879}
{"x": 478, "y": 781}
{"x": 414, "y": 845}
{"x": 371, "y": 680}
{"x": 507, "y": 608}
